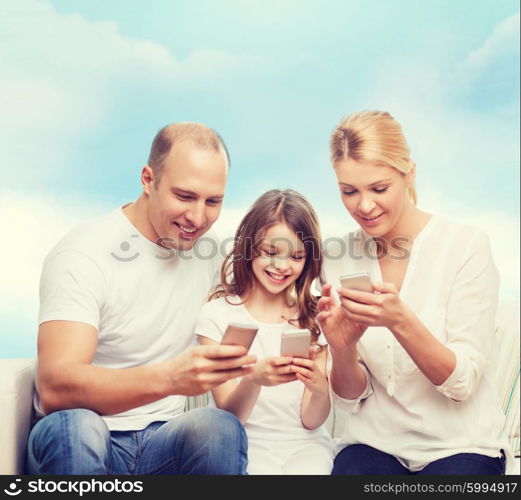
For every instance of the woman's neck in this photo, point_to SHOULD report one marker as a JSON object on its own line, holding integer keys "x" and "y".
{"x": 409, "y": 225}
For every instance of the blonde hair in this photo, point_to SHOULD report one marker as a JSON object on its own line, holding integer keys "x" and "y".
{"x": 372, "y": 136}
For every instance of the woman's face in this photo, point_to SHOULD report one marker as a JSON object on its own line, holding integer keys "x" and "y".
{"x": 375, "y": 195}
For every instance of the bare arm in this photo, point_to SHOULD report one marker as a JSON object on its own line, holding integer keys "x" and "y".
{"x": 347, "y": 377}
{"x": 316, "y": 404}
{"x": 67, "y": 379}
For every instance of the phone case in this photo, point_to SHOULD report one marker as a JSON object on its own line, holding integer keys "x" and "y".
{"x": 358, "y": 281}
{"x": 295, "y": 343}
{"x": 239, "y": 334}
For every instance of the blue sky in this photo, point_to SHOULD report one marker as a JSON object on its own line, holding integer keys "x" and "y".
{"x": 85, "y": 86}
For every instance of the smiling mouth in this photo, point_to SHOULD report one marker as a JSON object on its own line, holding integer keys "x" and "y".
{"x": 371, "y": 219}
{"x": 186, "y": 231}
{"x": 277, "y": 278}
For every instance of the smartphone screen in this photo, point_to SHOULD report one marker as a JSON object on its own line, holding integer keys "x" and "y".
{"x": 295, "y": 343}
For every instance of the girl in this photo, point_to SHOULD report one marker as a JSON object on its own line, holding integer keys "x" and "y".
{"x": 409, "y": 360}
{"x": 266, "y": 281}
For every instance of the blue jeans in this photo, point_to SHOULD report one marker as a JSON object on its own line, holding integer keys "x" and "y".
{"x": 200, "y": 441}
{"x": 363, "y": 459}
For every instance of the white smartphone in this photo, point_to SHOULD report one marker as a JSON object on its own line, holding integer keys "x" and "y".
{"x": 357, "y": 281}
{"x": 239, "y": 334}
{"x": 295, "y": 343}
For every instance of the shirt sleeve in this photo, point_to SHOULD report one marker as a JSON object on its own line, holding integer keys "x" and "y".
{"x": 72, "y": 288}
{"x": 349, "y": 405}
{"x": 208, "y": 324}
{"x": 470, "y": 319}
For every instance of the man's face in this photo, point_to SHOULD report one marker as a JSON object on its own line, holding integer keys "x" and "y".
{"x": 188, "y": 198}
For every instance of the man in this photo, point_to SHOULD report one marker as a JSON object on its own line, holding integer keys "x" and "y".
{"x": 119, "y": 297}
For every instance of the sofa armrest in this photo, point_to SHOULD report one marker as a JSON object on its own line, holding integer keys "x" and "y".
{"x": 16, "y": 410}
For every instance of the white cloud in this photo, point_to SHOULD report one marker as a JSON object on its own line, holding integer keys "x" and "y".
{"x": 32, "y": 226}
{"x": 430, "y": 100}
{"x": 504, "y": 37}
{"x": 57, "y": 67}
{"x": 501, "y": 227}
{"x": 62, "y": 74}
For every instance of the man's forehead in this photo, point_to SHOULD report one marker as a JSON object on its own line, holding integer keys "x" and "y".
{"x": 187, "y": 153}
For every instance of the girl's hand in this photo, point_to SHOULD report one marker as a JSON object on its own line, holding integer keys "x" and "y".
{"x": 339, "y": 329}
{"x": 272, "y": 371}
{"x": 384, "y": 308}
{"x": 308, "y": 372}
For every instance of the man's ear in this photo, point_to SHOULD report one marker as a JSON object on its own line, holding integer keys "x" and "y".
{"x": 147, "y": 179}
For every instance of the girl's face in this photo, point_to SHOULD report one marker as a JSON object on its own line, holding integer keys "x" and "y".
{"x": 281, "y": 259}
{"x": 375, "y": 195}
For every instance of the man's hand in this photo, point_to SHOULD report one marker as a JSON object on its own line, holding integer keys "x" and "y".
{"x": 199, "y": 369}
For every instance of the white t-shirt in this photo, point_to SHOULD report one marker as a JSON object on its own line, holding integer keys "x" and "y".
{"x": 275, "y": 418}
{"x": 142, "y": 298}
{"x": 451, "y": 284}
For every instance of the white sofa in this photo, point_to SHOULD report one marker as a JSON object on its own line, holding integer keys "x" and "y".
{"x": 17, "y": 387}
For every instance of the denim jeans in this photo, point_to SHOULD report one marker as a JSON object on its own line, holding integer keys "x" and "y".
{"x": 200, "y": 441}
{"x": 363, "y": 459}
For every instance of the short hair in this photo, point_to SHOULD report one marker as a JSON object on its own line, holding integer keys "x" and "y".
{"x": 372, "y": 136}
{"x": 198, "y": 134}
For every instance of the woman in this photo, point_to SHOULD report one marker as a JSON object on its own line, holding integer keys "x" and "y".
{"x": 409, "y": 360}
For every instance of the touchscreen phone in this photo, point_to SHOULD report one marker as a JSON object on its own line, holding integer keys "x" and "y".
{"x": 239, "y": 334}
{"x": 357, "y": 281}
{"x": 295, "y": 343}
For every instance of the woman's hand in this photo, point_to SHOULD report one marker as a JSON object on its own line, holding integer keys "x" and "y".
{"x": 340, "y": 330}
{"x": 383, "y": 307}
{"x": 310, "y": 374}
{"x": 272, "y": 371}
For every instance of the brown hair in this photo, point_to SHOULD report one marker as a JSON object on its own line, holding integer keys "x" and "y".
{"x": 372, "y": 136}
{"x": 200, "y": 135}
{"x": 272, "y": 207}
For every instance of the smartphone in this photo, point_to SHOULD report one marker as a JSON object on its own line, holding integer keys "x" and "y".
{"x": 357, "y": 281}
{"x": 239, "y": 334}
{"x": 295, "y": 343}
